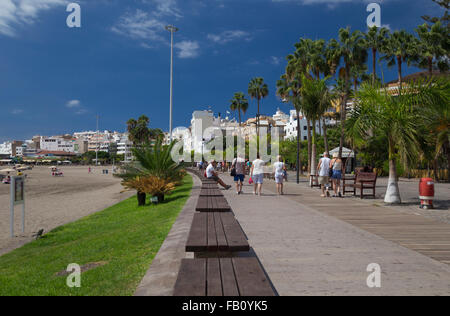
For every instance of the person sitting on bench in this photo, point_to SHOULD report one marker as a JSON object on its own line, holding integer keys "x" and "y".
{"x": 212, "y": 175}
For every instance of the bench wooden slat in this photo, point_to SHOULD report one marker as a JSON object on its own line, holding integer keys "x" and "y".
{"x": 213, "y": 279}
{"x": 224, "y": 276}
{"x": 212, "y": 204}
{"x": 210, "y": 192}
{"x": 191, "y": 278}
{"x": 211, "y": 231}
{"x": 234, "y": 234}
{"x": 251, "y": 278}
{"x": 229, "y": 284}
{"x": 197, "y": 237}
{"x": 222, "y": 243}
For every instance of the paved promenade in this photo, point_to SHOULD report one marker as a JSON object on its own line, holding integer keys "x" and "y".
{"x": 315, "y": 246}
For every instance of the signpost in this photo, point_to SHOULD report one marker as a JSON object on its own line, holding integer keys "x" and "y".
{"x": 17, "y": 198}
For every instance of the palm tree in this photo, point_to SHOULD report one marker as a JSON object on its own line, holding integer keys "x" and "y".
{"x": 397, "y": 118}
{"x": 316, "y": 100}
{"x": 258, "y": 90}
{"x": 439, "y": 129}
{"x": 288, "y": 90}
{"x": 375, "y": 40}
{"x": 353, "y": 52}
{"x": 400, "y": 47}
{"x": 431, "y": 46}
{"x": 239, "y": 103}
{"x": 139, "y": 132}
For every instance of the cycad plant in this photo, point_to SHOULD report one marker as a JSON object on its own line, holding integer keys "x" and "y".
{"x": 152, "y": 161}
{"x": 399, "y": 119}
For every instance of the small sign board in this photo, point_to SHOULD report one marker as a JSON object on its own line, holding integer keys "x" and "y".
{"x": 18, "y": 186}
{"x": 17, "y": 198}
{"x": 154, "y": 200}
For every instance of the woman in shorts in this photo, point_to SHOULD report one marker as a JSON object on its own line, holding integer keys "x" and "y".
{"x": 257, "y": 175}
{"x": 279, "y": 169}
{"x": 337, "y": 166}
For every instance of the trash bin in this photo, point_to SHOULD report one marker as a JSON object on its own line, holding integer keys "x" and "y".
{"x": 426, "y": 193}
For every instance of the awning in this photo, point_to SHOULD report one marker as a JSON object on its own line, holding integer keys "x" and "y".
{"x": 346, "y": 153}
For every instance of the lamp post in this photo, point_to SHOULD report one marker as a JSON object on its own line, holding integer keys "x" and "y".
{"x": 172, "y": 29}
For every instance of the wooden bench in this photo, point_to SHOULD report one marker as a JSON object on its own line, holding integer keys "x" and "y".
{"x": 363, "y": 181}
{"x": 216, "y": 232}
{"x": 314, "y": 181}
{"x": 210, "y": 191}
{"x": 347, "y": 179}
{"x": 212, "y": 204}
{"x": 222, "y": 277}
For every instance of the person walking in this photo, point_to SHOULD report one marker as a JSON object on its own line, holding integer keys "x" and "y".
{"x": 279, "y": 169}
{"x": 238, "y": 166}
{"x": 257, "y": 175}
{"x": 324, "y": 170}
{"x": 336, "y": 166}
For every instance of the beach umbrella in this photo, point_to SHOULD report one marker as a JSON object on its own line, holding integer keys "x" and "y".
{"x": 7, "y": 170}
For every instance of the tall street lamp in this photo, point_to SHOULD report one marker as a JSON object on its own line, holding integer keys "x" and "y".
{"x": 172, "y": 29}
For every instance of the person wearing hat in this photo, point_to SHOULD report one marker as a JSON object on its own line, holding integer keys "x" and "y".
{"x": 212, "y": 175}
{"x": 336, "y": 166}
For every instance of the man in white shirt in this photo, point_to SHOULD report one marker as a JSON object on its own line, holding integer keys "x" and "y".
{"x": 324, "y": 169}
{"x": 212, "y": 175}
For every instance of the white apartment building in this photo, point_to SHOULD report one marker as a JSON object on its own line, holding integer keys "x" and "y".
{"x": 6, "y": 149}
{"x": 57, "y": 144}
{"x": 84, "y": 135}
{"x": 290, "y": 129}
{"x": 124, "y": 146}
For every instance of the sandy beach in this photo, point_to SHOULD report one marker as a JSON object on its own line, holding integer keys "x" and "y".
{"x": 55, "y": 201}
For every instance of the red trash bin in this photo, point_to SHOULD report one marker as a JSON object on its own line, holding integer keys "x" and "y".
{"x": 426, "y": 193}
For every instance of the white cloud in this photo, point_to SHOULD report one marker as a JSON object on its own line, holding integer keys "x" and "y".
{"x": 148, "y": 26}
{"x": 14, "y": 13}
{"x": 228, "y": 36}
{"x": 330, "y": 3}
{"x": 140, "y": 25}
{"x": 188, "y": 49}
{"x": 17, "y": 111}
{"x": 73, "y": 104}
{"x": 275, "y": 60}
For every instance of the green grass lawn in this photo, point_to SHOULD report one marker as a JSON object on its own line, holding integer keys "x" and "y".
{"x": 124, "y": 238}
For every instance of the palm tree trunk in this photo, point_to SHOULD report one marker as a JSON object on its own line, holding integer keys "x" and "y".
{"x": 325, "y": 137}
{"x": 344, "y": 109}
{"x": 374, "y": 66}
{"x": 240, "y": 121}
{"x": 308, "y": 122}
{"x": 257, "y": 121}
{"x": 447, "y": 148}
{"x": 399, "y": 68}
{"x": 392, "y": 193}
{"x": 430, "y": 65}
{"x": 343, "y": 117}
{"x": 314, "y": 150}
{"x": 299, "y": 162}
{"x": 436, "y": 172}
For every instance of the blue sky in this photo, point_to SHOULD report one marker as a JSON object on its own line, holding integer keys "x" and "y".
{"x": 55, "y": 79}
